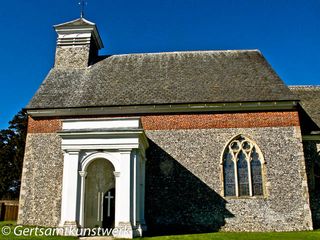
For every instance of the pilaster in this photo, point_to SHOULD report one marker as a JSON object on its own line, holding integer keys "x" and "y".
{"x": 69, "y": 190}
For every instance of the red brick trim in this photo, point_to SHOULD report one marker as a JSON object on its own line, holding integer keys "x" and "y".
{"x": 190, "y": 121}
{"x": 44, "y": 125}
{"x": 223, "y": 120}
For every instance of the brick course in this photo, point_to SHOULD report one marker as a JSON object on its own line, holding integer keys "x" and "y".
{"x": 191, "y": 121}
{"x": 222, "y": 120}
{"x": 44, "y": 125}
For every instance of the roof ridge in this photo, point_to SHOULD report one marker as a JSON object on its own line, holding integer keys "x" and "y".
{"x": 191, "y": 51}
{"x": 304, "y": 86}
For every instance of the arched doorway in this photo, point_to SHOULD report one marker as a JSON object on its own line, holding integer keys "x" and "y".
{"x": 99, "y": 206}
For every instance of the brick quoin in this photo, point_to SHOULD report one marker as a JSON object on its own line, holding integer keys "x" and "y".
{"x": 190, "y": 121}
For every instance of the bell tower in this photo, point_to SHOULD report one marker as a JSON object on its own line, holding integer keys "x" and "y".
{"x": 78, "y": 44}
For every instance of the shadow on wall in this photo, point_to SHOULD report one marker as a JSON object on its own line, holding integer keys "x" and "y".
{"x": 178, "y": 202}
{"x": 312, "y": 158}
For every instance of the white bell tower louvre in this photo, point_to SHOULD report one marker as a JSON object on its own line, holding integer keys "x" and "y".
{"x": 104, "y": 175}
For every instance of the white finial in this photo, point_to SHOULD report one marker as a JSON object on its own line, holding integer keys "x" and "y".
{"x": 82, "y": 3}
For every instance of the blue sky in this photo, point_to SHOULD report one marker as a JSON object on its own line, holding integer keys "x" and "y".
{"x": 286, "y": 31}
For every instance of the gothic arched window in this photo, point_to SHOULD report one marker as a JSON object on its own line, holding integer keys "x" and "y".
{"x": 242, "y": 168}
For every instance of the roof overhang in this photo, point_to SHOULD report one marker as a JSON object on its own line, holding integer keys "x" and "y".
{"x": 165, "y": 108}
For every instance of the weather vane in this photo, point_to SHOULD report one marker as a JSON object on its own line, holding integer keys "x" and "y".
{"x": 82, "y": 3}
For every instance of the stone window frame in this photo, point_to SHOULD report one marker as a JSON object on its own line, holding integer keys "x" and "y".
{"x": 263, "y": 170}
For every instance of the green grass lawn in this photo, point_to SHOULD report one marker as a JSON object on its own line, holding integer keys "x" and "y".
{"x": 12, "y": 236}
{"x": 310, "y": 235}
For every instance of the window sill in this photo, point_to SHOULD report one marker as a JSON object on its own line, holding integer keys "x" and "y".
{"x": 246, "y": 198}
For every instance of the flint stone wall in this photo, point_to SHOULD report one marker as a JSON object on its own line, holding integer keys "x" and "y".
{"x": 41, "y": 184}
{"x": 72, "y": 57}
{"x": 184, "y": 182}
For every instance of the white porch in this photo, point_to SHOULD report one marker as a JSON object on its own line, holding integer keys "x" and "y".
{"x": 122, "y": 142}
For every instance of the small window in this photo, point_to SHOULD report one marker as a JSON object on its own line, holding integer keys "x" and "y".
{"x": 242, "y": 168}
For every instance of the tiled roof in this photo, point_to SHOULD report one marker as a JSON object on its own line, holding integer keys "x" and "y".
{"x": 164, "y": 78}
{"x": 310, "y": 100}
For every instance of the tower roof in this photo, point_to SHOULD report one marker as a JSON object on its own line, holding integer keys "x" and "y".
{"x": 76, "y": 22}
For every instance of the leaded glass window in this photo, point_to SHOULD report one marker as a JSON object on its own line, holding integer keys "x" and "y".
{"x": 229, "y": 181}
{"x": 242, "y": 168}
{"x": 243, "y": 179}
{"x": 256, "y": 174}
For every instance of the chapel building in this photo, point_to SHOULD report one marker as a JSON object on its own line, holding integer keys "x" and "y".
{"x": 177, "y": 142}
